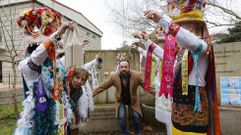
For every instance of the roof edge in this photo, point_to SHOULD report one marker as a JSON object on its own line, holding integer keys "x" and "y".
{"x": 44, "y": 2}
{"x": 10, "y": 2}
{"x": 78, "y": 13}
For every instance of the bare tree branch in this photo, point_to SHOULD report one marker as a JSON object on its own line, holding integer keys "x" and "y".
{"x": 133, "y": 20}
{"x": 228, "y": 11}
{"x": 12, "y": 29}
{"x": 5, "y": 38}
{"x": 215, "y": 24}
{"x": 8, "y": 33}
{"x": 217, "y": 14}
{"x": 3, "y": 7}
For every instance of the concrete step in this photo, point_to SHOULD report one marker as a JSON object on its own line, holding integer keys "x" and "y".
{"x": 102, "y": 120}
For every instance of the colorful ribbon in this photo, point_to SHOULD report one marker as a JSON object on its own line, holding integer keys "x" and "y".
{"x": 185, "y": 73}
{"x": 148, "y": 69}
{"x": 52, "y": 55}
{"x": 41, "y": 97}
{"x": 153, "y": 70}
{"x": 167, "y": 66}
{"x": 195, "y": 55}
{"x": 95, "y": 82}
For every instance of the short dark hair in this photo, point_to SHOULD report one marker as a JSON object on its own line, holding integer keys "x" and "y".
{"x": 126, "y": 61}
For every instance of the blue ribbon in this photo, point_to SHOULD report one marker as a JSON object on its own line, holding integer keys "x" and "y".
{"x": 195, "y": 55}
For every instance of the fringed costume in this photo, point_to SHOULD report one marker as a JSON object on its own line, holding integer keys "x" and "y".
{"x": 188, "y": 75}
{"x": 152, "y": 81}
{"x": 41, "y": 114}
{"x": 46, "y": 105}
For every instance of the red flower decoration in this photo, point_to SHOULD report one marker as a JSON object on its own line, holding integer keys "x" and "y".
{"x": 192, "y": 2}
{"x": 34, "y": 18}
{"x": 187, "y": 9}
{"x": 39, "y": 11}
{"x": 48, "y": 31}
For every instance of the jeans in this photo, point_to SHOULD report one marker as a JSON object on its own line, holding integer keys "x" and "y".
{"x": 122, "y": 119}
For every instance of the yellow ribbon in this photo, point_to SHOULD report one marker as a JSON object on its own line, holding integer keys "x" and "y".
{"x": 61, "y": 129}
{"x": 153, "y": 71}
{"x": 185, "y": 73}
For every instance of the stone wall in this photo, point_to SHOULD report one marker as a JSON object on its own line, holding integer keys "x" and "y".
{"x": 109, "y": 59}
{"x": 227, "y": 61}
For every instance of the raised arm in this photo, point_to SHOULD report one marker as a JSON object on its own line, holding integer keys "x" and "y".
{"x": 142, "y": 35}
{"x": 104, "y": 85}
{"x": 90, "y": 64}
{"x": 183, "y": 37}
{"x": 30, "y": 66}
{"x": 41, "y": 53}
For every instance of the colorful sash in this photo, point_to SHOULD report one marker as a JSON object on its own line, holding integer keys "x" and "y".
{"x": 41, "y": 97}
{"x": 214, "y": 120}
{"x": 147, "y": 81}
{"x": 153, "y": 70}
{"x": 52, "y": 55}
{"x": 69, "y": 77}
{"x": 95, "y": 82}
{"x": 185, "y": 73}
{"x": 195, "y": 55}
{"x": 62, "y": 120}
{"x": 167, "y": 66}
{"x": 160, "y": 69}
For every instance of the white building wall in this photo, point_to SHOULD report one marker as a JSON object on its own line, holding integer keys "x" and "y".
{"x": 16, "y": 9}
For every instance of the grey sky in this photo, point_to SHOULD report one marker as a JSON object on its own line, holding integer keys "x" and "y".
{"x": 97, "y": 12}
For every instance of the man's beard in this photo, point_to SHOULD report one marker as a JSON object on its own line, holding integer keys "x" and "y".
{"x": 125, "y": 76}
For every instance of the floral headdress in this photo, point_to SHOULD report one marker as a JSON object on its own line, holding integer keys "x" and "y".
{"x": 43, "y": 20}
{"x": 186, "y": 10}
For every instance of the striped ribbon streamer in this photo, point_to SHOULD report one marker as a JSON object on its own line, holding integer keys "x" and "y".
{"x": 95, "y": 82}
{"x": 185, "y": 73}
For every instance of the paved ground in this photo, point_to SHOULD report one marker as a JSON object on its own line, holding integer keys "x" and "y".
{"x": 230, "y": 119}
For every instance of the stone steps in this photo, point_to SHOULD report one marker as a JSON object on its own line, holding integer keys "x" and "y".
{"x": 102, "y": 121}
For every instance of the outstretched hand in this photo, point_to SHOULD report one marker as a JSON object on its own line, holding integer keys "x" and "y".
{"x": 153, "y": 15}
{"x": 142, "y": 35}
{"x": 133, "y": 46}
{"x": 97, "y": 56}
{"x": 69, "y": 26}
